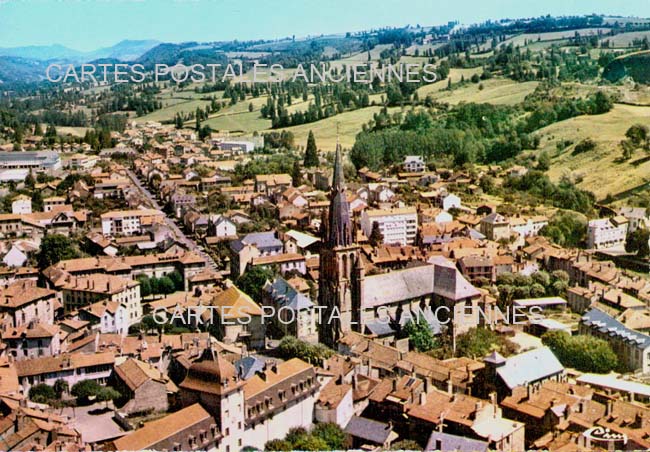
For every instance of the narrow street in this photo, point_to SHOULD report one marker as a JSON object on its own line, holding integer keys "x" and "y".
{"x": 178, "y": 233}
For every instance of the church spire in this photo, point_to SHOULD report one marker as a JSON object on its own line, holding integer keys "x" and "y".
{"x": 340, "y": 226}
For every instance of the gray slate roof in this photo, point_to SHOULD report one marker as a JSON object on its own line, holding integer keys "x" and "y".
{"x": 369, "y": 430}
{"x": 606, "y": 324}
{"x": 445, "y": 442}
{"x": 529, "y": 367}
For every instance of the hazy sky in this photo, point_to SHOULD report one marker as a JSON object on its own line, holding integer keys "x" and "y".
{"x": 89, "y": 24}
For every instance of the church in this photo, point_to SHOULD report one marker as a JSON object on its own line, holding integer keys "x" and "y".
{"x": 381, "y": 303}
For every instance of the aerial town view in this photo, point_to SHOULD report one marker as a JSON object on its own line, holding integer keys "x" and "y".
{"x": 291, "y": 225}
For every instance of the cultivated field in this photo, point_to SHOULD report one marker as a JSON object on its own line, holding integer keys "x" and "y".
{"x": 625, "y": 40}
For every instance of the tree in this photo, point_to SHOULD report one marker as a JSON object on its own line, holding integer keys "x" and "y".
{"x": 55, "y": 248}
{"x": 85, "y": 389}
{"x": 145, "y": 285}
{"x": 107, "y": 393}
{"x": 42, "y": 393}
{"x": 583, "y": 353}
{"x": 637, "y": 242}
{"x": 376, "y": 237}
{"x": 544, "y": 162}
{"x": 252, "y": 281}
{"x": 311, "y": 152}
{"x": 292, "y": 347}
{"x": 278, "y": 445}
{"x": 177, "y": 279}
{"x": 296, "y": 174}
{"x": 420, "y": 335}
{"x": 61, "y": 387}
{"x": 332, "y": 435}
{"x": 166, "y": 285}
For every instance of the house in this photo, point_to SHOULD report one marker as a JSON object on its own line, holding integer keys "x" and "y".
{"x": 25, "y": 342}
{"x": 495, "y": 227}
{"x": 21, "y": 205}
{"x": 237, "y": 318}
{"x": 413, "y": 164}
{"x": 253, "y": 245}
{"x": 106, "y": 317}
{"x": 187, "y": 429}
{"x": 70, "y": 367}
{"x": 295, "y": 312}
{"x": 466, "y": 416}
{"x": 143, "y": 387}
{"x": 52, "y": 202}
{"x": 221, "y": 227}
{"x": 396, "y": 225}
{"x": 129, "y": 222}
{"x": 637, "y": 217}
{"x": 632, "y": 347}
{"x": 24, "y": 303}
{"x": 81, "y": 291}
{"x": 476, "y": 267}
{"x": 335, "y": 403}
{"x": 607, "y": 233}
{"x": 270, "y": 183}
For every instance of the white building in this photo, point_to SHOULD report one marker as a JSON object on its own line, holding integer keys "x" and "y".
{"x": 607, "y": 233}
{"x": 220, "y": 226}
{"x": 21, "y": 205}
{"x": 528, "y": 227}
{"x": 396, "y": 225}
{"x": 413, "y": 164}
{"x": 129, "y": 222}
{"x": 637, "y": 217}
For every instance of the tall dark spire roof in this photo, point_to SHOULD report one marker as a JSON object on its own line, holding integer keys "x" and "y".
{"x": 339, "y": 225}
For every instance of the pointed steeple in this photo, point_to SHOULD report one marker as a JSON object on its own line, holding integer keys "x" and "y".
{"x": 339, "y": 225}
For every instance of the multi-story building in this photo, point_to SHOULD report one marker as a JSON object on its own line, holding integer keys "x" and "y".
{"x": 36, "y": 161}
{"x": 72, "y": 368}
{"x": 607, "y": 233}
{"x": 632, "y": 347}
{"x": 39, "y": 340}
{"x": 396, "y": 225}
{"x": 251, "y": 412}
{"x": 495, "y": 227}
{"x": 81, "y": 291}
{"x": 129, "y": 222}
{"x": 188, "y": 264}
{"x": 24, "y": 303}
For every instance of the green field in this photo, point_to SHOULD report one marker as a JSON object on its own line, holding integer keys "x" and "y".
{"x": 350, "y": 123}
{"x": 601, "y": 170}
{"x": 496, "y": 91}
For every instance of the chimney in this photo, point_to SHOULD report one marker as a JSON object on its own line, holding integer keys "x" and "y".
{"x": 423, "y": 398}
{"x": 610, "y": 407}
{"x": 394, "y": 384}
{"x": 450, "y": 385}
{"x": 355, "y": 382}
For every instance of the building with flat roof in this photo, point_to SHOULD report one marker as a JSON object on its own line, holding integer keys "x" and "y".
{"x": 396, "y": 225}
{"x": 30, "y": 160}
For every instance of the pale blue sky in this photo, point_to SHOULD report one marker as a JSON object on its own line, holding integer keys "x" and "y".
{"x": 89, "y": 24}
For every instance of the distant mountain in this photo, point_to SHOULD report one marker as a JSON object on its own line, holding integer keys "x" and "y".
{"x": 21, "y": 70}
{"x": 43, "y": 53}
{"x": 126, "y": 50}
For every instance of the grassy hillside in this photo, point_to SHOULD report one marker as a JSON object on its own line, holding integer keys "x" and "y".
{"x": 602, "y": 170}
